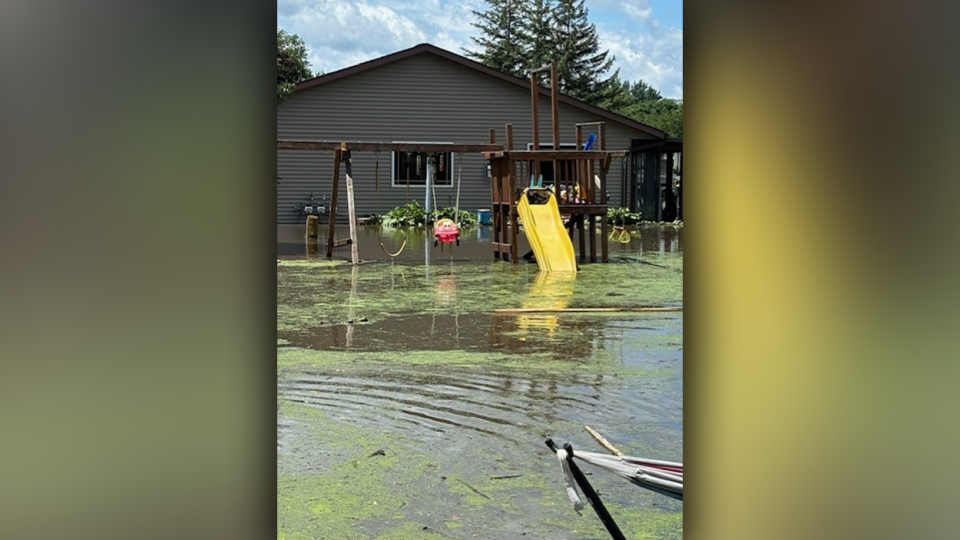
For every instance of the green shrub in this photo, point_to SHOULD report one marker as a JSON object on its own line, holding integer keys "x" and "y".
{"x": 622, "y": 216}
{"x": 408, "y": 215}
{"x": 464, "y": 218}
{"x": 412, "y": 215}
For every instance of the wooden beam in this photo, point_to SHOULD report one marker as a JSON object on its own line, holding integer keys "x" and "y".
{"x": 595, "y": 209}
{"x": 547, "y": 155}
{"x": 333, "y": 202}
{"x": 360, "y": 146}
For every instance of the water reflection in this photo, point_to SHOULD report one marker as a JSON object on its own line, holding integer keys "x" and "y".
{"x": 551, "y": 290}
{"x": 649, "y": 239}
{"x": 292, "y": 241}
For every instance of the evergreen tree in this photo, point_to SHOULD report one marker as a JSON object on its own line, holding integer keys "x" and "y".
{"x": 581, "y": 66}
{"x": 520, "y": 35}
{"x": 502, "y": 37}
{"x": 539, "y": 46}
{"x": 621, "y": 98}
{"x": 641, "y": 91}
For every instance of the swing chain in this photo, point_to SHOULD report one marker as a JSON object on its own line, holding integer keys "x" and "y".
{"x": 377, "y": 189}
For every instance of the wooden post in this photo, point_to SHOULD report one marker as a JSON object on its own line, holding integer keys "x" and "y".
{"x": 555, "y": 105}
{"x": 493, "y": 136}
{"x": 670, "y": 213}
{"x": 509, "y": 169}
{"x": 680, "y": 188}
{"x": 605, "y": 166}
{"x": 312, "y": 227}
{"x": 581, "y": 225}
{"x": 593, "y": 222}
{"x": 555, "y": 114}
{"x": 511, "y": 209}
{"x": 333, "y": 202}
{"x": 499, "y": 222}
{"x": 354, "y": 255}
{"x": 533, "y": 108}
{"x": 351, "y": 307}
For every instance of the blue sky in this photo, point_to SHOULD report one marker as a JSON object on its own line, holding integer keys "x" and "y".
{"x": 646, "y": 36}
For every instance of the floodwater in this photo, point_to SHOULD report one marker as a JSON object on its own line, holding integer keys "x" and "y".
{"x": 408, "y": 408}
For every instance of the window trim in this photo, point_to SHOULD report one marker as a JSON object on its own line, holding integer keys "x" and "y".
{"x": 396, "y": 182}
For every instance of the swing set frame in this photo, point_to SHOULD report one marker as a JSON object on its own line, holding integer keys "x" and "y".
{"x": 343, "y": 150}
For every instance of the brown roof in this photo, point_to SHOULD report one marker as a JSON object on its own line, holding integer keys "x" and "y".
{"x": 426, "y": 48}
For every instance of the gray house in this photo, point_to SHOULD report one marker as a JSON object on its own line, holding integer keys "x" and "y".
{"x": 429, "y": 95}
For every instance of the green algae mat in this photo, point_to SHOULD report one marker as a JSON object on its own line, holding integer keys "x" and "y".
{"x": 406, "y": 408}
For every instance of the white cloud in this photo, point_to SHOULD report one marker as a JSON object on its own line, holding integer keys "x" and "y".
{"x": 340, "y": 35}
{"x": 645, "y": 50}
{"x": 640, "y": 11}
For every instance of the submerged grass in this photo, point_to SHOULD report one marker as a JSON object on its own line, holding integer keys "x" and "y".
{"x": 473, "y": 463}
{"x": 347, "y": 488}
{"x": 313, "y": 295}
{"x": 499, "y": 363}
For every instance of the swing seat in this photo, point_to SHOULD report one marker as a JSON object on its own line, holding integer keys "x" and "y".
{"x": 446, "y": 231}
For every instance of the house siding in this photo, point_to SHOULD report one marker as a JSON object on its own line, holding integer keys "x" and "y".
{"x": 422, "y": 98}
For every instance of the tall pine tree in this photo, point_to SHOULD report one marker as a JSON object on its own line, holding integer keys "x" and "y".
{"x": 502, "y": 37}
{"x": 539, "y": 47}
{"x": 581, "y": 66}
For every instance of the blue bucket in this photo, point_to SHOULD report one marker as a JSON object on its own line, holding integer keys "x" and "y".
{"x": 483, "y": 216}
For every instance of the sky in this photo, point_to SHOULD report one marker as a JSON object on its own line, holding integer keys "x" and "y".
{"x": 645, "y": 36}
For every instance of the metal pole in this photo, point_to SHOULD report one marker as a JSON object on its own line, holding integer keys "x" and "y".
{"x": 589, "y": 493}
{"x": 426, "y": 197}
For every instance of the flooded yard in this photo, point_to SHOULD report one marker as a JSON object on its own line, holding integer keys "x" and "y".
{"x": 408, "y": 408}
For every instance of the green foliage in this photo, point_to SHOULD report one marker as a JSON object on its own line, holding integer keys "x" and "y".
{"x": 539, "y": 43}
{"x": 575, "y": 49}
{"x": 641, "y": 91}
{"x": 516, "y": 37}
{"x": 663, "y": 114}
{"x": 462, "y": 218}
{"x": 643, "y": 103}
{"x": 412, "y": 215}
{"x": 408, "y": 215}
{"x": 292, "y": 65}
{"x": 622, "y": 216}
{"x": 502, "y": 37}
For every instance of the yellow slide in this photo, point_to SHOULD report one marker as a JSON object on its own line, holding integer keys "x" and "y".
{"x": 541, "y": 221}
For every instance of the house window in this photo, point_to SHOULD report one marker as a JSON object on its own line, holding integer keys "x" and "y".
{"x": 546, "y": 167}
{"x": 412, "y": 167}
